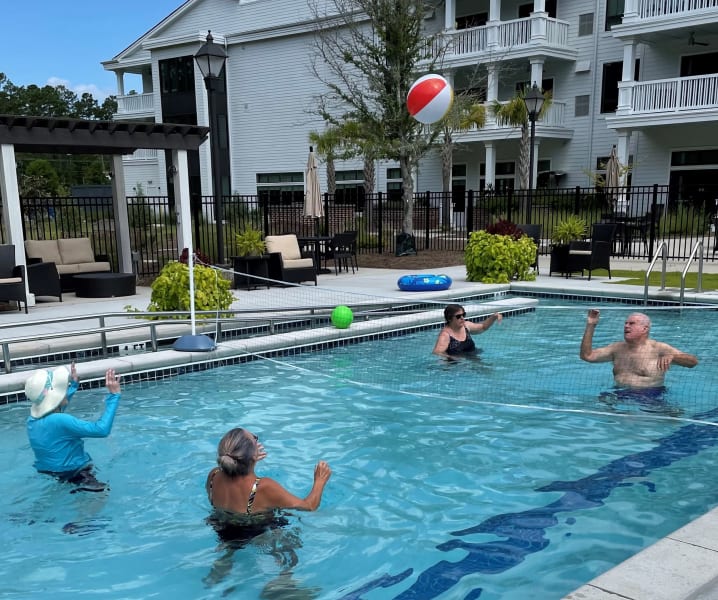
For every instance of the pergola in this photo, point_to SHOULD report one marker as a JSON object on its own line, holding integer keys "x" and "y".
{"x": 53, "y": 135}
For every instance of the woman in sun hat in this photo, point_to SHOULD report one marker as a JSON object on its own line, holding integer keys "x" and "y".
{"x": 56, "y": 437}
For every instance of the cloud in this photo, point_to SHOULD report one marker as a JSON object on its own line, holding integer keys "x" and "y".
{"x": 80, "y": 88}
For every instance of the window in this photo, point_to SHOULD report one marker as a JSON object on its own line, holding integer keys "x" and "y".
{"x": 394, "y": 185}
{"x": 469, "y": 21}
{"x": 609, "y": 86}
{"x": 612, "y": 73}
{"x": 585, "y": 24}
{"x": 505, "y": 176}
{"x": 458, "y": 187}
{"x": 177, "y": 75}
{"x": 525, "y": 10}
{"x": 582, "y": 105}
{"x": 699, "y": 64}
{"x": 614, "y": 13}
{"x": 546, "y": 85}
{"x": 281, "y": 188}
{"x": 350, "y": 188}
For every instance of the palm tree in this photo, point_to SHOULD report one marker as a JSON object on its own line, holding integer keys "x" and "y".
{"x": 466, "y": 112}
{"x": 515, "y": 114}
{"x": 328, "y": 145}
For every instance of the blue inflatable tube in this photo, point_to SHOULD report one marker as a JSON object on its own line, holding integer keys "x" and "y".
{"x": 424, "y": 283}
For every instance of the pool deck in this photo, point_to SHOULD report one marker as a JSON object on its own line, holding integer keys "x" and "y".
{"x": 682, "y": 566}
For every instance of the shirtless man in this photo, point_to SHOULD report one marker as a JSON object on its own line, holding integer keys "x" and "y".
{"x": 638, "y": 362}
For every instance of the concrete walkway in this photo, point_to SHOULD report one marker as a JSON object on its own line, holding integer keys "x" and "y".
{"x": 682, "y": 566}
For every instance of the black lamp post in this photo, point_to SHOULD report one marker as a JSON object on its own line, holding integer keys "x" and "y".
{"x": 210, "y": 60}
{"x": 534, "y": 103}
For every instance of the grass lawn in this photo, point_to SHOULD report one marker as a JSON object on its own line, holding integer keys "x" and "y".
{"x": 673, "y": 279}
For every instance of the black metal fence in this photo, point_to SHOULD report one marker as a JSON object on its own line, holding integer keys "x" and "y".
{"x": 441, "y": 221}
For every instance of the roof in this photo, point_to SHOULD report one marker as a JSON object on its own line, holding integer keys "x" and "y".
{"x": 58, "y": 135}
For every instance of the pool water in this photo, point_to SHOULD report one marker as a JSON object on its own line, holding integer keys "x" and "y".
{"x": 505, "y": 477}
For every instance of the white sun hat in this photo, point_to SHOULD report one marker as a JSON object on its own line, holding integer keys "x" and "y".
{"x": 46, "y": 389}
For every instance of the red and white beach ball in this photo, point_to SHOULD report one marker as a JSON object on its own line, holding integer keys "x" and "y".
{"x": 430, "y": 98}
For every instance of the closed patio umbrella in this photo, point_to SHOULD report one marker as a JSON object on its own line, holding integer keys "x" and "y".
{"x": 313, "y": 206}
{"x": 613, "y": 180}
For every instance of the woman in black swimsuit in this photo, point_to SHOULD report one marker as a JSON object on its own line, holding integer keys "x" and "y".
{"x": 455, "y": 337}
{"x": 233, "y": 487}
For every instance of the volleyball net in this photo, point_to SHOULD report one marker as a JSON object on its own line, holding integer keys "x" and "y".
{"x": 529, "y": 361}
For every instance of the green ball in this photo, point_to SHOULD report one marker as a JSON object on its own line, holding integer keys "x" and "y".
{"x": 342, "y": 317}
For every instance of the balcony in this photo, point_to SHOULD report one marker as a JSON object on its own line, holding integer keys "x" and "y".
{"x": 135, "y": 106}
{"x": 550, "y": 126}
{"x": 141, "y": 155}
{"x": 504, "y": 40}
{"x": 666, "y": 102}
{"x": 647, "y": 17}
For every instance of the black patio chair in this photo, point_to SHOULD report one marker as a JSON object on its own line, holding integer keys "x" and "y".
{"x": 12, "y": 277}
{"x": 534, "y": 232}
{"x": 342, "y": 249}
{"x": 593, "y": 254}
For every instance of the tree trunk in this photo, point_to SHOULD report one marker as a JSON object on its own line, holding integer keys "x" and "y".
{"x": 407, "y": 182}
{"x": 447, "y": 151}
{"x": 523, "y": 162}
{"x": 331, "y": 176}
{"x": 369, "y": 175}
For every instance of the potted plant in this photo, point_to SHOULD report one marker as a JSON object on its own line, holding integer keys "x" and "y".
{"x": 249, "y": 242}
{"x": 570, "y": 229}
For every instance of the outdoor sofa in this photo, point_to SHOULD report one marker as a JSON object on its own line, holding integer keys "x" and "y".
{"x": 71, "y": 257}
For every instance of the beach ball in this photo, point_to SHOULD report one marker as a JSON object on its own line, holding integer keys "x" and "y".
{"x": 429, "y": 99}
{"x": 342, "y": 317}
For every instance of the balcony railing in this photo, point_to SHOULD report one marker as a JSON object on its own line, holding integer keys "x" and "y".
{"x": 650, "y": 9}
{"x": 135, "y": 104}
{"x": 668, "y": 95}
{"x": 142, "y": 154}
{"x": 554, "y": 116}
{"x": 503, "y": 36}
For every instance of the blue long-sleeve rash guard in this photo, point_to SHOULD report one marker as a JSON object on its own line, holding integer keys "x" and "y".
{"x": 56, "y": 438}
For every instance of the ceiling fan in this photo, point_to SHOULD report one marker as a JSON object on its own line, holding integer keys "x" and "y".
{"x": 692, "y": 40}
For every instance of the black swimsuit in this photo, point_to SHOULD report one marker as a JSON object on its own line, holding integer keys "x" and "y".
{"x": 252, "y": 494}
{"x": 461, "y": 346}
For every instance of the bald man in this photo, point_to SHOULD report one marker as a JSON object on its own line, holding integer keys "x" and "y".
{"x": 638, "y": 361}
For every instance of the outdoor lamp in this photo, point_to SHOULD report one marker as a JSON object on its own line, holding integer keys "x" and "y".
{"x": 533, "y": 100}
{"x": 210, "y": 59}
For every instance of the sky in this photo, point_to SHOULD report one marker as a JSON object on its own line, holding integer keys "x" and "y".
{"x": 63, "y": 42}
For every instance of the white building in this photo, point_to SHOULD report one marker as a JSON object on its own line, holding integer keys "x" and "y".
{"x": 640, "y": 74}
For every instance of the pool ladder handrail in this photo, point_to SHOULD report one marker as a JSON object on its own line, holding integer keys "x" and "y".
{"x": 663, "y": 250}
{"x": 699, "y": 287}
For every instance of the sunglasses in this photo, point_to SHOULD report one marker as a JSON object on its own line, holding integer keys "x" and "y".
{"x": 460, "y": 316}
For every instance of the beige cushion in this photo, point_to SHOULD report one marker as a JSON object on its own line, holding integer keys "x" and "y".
{"x": 76, "y": 250}
{"x": 45, "y": 250}
{"x": 286, "y": 244}
{"x": 93, "y": 267}
{"x": 580, "y": 252}
{"x": 297, "y": 263}
{"x": 10, "y": 279}
{"x": 67, "y": 269}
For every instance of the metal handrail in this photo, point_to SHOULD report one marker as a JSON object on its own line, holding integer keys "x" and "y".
{"x": 663, "y": 249}
{"x": 699, "y": 287}
{"x": 224, "y": 320}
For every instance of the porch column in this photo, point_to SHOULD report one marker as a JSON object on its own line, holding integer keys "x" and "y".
{"x": 490, "y": 166}
{"x": 12, "y": 217}
{"x": 625, "y": 87}
{"x": 539, "y": 6}
{"x": 492, "y": 83}
{"x": 630, "y": 10}
{"x": 120, "y": 76}
{"x": 536, "y": 71}
{"x": 122, "y": 223}
{"x": 538, "y": 22}
{"x": 449, "y": 14}
{"x": 182, "y": 200}
{"x": 494, "y": 10}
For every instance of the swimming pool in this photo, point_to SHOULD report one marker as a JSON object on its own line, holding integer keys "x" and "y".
{"x": 439, "y": 488}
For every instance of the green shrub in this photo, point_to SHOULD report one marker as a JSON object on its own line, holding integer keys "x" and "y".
{"x": 494, "y": 258}
{"x": 570, "y": 229}
{"x": 170, "y": 291}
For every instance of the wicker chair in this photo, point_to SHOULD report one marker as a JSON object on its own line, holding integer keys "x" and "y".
{"x": 12, "y": 277}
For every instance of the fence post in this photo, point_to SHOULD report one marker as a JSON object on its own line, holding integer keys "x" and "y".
{"x": 469, "y": 212}
{"x": 510, "y": 204}
{"x": 380, "y": 225}
{"x": 652, "y": 232}
{"x": 264, "y": 204}
{"x": 427, "y": 212}
{"x": 326, "y": 213}
{"x": 576, "y": 199}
